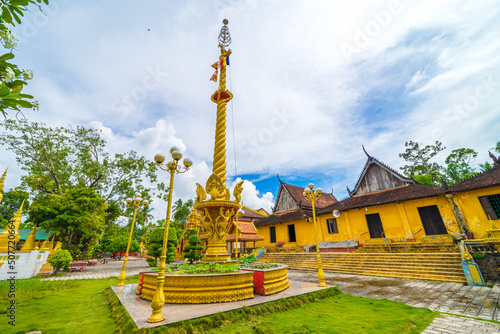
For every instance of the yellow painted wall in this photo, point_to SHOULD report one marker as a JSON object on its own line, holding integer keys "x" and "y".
{"x": 474, "y": 213}
{"x": 399, "y": 220}
{"x": 304, "y": 233}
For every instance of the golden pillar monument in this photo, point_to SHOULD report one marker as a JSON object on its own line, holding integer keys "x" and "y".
{"x": 313, "y": 195}
{"x": 218, "y": 211}
{"x": 136, "y": 203}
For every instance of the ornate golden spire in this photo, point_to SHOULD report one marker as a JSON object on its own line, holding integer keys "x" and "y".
{"x": 45, "y": 245}
{"x": 29, "y": 244}
{"x": 13, "y": 225}
{"x": 221, "y": 97}
{"x": 1, "y": 183}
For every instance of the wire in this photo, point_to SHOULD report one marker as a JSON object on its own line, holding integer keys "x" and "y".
{"x": 232, "y": 121}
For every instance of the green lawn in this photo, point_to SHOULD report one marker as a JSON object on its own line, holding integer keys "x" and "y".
{"x": 89, "y": 306}
{"x": 341, "y": 314}
{"x": 75, "y": 306}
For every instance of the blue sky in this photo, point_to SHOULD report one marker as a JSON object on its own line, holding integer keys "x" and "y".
{"x": 312, "y": 82}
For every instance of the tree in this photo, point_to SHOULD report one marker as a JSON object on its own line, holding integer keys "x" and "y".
{"x": 115, "y": 240}
{"x": 418, "y": 157}
{"x": 172, "y": 243}
{"x": 58, "y": 160}
{"x": 60, "y": 259}
{"x": 77, "y": 215}
{"x": 13, "y": 79}
{"x": 182, "y": 210}
{"x": 459, "y": 164}
{"x": 11, "y": 202}
{"x": 154, "y": 243}
{"x": 62, "y": 158}
{"x": 193, "y": 249}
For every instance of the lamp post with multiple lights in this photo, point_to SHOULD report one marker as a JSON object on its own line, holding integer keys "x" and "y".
{"x": 136, "y": 203}
{"x": 173, "y": 168}
{"x": 313, "y": 195}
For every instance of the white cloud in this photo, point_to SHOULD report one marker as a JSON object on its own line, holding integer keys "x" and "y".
{"x": 250, "y": 196}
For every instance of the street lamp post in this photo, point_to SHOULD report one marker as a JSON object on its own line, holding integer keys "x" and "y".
{"x": 136, "y": 203}
{"x": 313, "y": 195}
{"x": 238, "y": 215}
{"x": 172, "y": 167}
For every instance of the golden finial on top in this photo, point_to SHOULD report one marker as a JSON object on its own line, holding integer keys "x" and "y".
{"x": 224, "y": 36}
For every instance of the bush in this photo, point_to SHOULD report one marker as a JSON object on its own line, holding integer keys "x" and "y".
{"x": 192, "y": 251}
{"x": 60, "y": 259}
{"x": 151, "y": 262}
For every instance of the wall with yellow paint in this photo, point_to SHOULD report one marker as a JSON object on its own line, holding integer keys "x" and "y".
{"x": 399, "y": 220}
{"x": 304, "y": 233}
{"x": 473, "y": 211}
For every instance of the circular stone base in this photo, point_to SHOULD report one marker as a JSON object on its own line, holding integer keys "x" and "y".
{"x": 199, "y": 289}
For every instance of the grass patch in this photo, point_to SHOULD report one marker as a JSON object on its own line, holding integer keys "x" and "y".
{"x": 90, "y": 306}
{"x": 325, "y": 311}
{"x": 73, "y": 306}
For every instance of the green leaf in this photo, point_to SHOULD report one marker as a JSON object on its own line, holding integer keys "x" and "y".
{"x": 6, "y": 17}
{"x": 7, "y": 56}
{"x": 4, "y": 90}
{"x": 16, "y": 17}
{"x": 25, "y": 104}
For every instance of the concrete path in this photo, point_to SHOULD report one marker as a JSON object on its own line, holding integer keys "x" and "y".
{"x": 111, "y": 269}
{"x": 450, "y": 298}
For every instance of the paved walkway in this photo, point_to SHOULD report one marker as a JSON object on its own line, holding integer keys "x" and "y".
{"x": 450, "y": 298}
{"x": 111, "y": 269}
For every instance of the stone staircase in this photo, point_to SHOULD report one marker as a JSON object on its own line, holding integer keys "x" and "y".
{"x": 45, "y": 270}
{"x": 431, "y": 266}
{"x": 409, "y": 247}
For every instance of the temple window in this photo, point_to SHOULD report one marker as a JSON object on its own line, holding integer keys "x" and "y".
{"x": 491, "y": 206}
{"x": 332, "y": 226}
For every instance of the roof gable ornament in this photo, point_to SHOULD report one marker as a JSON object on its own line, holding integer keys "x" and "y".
{"x": 378, "y": 178}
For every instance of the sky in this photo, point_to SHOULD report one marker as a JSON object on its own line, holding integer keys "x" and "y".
{"x": 313, "y": 81}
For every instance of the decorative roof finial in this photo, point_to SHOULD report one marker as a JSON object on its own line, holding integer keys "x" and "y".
{"x": 224, "y": 37}
{"x": 369, "y": 156}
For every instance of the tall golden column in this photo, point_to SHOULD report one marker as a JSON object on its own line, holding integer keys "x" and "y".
{"x": 173, "y": 168}
{"x": 136, "y": 203}
{"x": 312, "y": 195}
{"x": 217, "y": 212}
{"x": 221, "y": 97}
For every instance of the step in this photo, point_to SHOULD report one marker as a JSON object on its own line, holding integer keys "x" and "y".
{"x": 447, "y": 278}
{"x": 432, "y": 266}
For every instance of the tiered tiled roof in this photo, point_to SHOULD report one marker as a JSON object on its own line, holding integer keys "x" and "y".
{"x": 487, "y": 179}
{"x": 283, "y": 217}
{"x": 402, "y": 193}
{"x": 251, "y": 214}
{"x": 324, "y": 200}
{"x": 247, "y": 232}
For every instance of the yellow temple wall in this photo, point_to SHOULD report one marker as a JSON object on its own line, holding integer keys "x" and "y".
{"x": 474, "y": 213}
{"x": 399, "y": 220}
{"x": 304, "y": 233}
